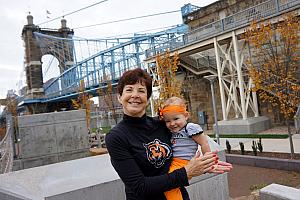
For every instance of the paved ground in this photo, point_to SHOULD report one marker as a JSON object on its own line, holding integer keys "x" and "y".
{"x": 270, "y": 145}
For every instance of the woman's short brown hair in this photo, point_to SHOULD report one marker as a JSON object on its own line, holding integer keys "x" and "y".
{"x": 134, "y": 76}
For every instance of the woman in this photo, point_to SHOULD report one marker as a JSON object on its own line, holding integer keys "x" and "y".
{"x": 140, "y": 146}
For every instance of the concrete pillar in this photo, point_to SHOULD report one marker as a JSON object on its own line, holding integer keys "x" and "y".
{"x": 63, "y": 23}
{"x": 34, "y": 78}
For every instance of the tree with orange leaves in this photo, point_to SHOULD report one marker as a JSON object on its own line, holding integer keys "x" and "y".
{"x": 274, "y": 62}
{"x": 12, "y": 108}
{"x": 166, "y": 67}
{"x": 83, "y": 102}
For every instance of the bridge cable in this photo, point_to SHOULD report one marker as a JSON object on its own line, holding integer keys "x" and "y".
{"x": 48, "y": 66}
{"x": 72, "y": 12}
{"x": 114, "y": 37}
{"x": 127, "y": 19}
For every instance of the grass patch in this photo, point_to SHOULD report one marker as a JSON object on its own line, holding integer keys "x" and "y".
{"x": 271, "y": 136}
{"x": 105, "y": 129}
{"x": 257, "y": 186}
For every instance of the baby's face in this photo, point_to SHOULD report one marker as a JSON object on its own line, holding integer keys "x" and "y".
{"x": 175, "y": 121}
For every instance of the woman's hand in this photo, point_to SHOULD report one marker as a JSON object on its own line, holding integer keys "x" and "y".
{"x": 221, "y": 167}
{"x": 201, "y": 164}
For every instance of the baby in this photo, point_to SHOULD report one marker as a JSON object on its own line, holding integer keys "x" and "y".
{"x": 185, "y": 140}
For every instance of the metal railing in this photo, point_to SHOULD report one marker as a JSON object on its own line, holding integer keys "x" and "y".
{"x": 240, "y": 19}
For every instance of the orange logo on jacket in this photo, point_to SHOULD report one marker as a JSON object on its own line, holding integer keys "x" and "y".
{"x": 157, "y": 152}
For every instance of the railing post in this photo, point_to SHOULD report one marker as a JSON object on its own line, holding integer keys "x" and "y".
{"x": 94, "y": 72}
{"x": 87, "y": 74}
{"x": 277, "y": 5}
{"x": 222, "y": 24}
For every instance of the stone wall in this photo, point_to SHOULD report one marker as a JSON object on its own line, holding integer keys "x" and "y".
{"x": 198, "y": 96}
{"x": 217, "y": 11}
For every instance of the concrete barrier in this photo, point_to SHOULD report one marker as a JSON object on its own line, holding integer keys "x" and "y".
{"x": 244, "y": 126}
{"x": 50, "y": 138}
{"x": 91, "y": 178}
{"x": 266, "y": 162}
{"x": 279, "y": 192}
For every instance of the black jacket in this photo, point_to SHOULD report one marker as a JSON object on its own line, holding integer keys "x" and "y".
{"x": 140, "y": 151}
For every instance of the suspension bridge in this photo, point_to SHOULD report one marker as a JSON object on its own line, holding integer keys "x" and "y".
{"x": 85, "y": 60}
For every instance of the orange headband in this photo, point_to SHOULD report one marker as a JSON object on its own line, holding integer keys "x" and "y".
{"x": 176, "y": 108}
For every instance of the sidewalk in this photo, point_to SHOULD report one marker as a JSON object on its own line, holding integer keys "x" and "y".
{"x": 269, "y": 145}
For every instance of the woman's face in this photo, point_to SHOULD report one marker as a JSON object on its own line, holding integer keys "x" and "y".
{"x": 134, "y": 100}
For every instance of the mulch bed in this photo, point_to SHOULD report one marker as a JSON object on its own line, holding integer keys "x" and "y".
{"x": 243, "y": 179}
{"x": 267, "y": 154}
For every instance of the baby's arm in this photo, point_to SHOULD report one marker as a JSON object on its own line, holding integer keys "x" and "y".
{"x": 220, "y": 166}
{"x": 201, "y": 139}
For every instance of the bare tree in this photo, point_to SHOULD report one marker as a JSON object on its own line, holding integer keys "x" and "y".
{"x": 83, "y": 102}
{"x": 109, "y": 96}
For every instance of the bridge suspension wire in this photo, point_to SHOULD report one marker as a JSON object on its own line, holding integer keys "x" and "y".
{"x": 112, "y": 39}
{"x": 127, "y": 19}
{"x": 6, "y": 149}
{"x": 111, "y": 56}
{"x": 21, "y": 80}
{"x": 70, "y": 13}
{"x": 143, "y": 31}
{"x": 48, "y": 66}
{"x": 81, "y": 48}
{"x": 60, "y": 48}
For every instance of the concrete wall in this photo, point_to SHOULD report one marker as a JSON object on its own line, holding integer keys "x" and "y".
{"x": 91, "y": 178}
{"x": 51, "y": 137}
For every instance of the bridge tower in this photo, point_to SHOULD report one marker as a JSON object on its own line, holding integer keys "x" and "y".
{"x": 33, "y": 55}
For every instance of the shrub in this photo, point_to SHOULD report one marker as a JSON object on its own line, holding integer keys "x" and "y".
{"x": 254, "y": 147}
{"x": 228, "y": 146}
{"x": 259, "y": 145}
{"x": 242, "y": 148}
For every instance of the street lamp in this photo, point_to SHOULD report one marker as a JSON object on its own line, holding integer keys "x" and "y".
{"x": 212, "y": 79}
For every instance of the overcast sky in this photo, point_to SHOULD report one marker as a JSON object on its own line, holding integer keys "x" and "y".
{"x": 13, "y": 18}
